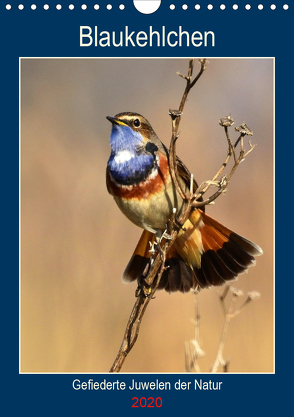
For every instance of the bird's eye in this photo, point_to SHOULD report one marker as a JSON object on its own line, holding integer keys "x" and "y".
{"x": 137, "y": 123}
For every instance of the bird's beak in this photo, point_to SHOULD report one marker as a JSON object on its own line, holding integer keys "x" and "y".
{"x": 115, "y": 121}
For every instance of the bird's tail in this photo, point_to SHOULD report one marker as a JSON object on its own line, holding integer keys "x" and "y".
{"x": 205, "y": 253}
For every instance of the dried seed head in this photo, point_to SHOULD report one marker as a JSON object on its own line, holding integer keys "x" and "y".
{"x": 236, "y": 292}
{"x": 174, "y": 113}
{"x": 254, "y": 295}
{"x": 204, "y": 62}
{"x": 226, "y": 121}
{"x": 244, "y": 130}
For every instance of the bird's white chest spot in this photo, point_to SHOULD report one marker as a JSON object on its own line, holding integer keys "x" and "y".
{"x": 123, "y": 156}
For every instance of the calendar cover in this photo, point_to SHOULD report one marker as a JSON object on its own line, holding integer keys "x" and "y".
{"x": 142, "y": 169}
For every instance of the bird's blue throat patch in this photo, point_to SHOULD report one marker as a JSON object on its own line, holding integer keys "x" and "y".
{"x": 129, "y": 162}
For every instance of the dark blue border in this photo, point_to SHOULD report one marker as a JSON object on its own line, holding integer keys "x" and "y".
{"x": 53, "y": 33}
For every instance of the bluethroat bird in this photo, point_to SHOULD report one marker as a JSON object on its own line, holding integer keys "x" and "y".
{"x": 205, "y": 252}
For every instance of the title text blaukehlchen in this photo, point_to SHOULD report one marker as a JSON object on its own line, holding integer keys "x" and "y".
{"x": 159, "y": 38}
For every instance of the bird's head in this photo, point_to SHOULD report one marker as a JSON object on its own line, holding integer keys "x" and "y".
{"x": 130, "y": 130}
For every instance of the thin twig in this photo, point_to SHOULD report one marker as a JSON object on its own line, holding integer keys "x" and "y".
{"x": 229, "y": 313}
{"x": 219, "y": 360}
{"x": 176, "y": 119}
{"x": 193, "y": 351}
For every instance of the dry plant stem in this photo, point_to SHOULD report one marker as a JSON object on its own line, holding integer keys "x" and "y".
{"x": 223, "y": 183}
{"x": 219, "y": 360}
{"x": 193, "y": 350}
{"x": 197, "y": 318}
{"x": 229, "y": 314}
{"x": 156, "y": 269}
{"x": 188, "y": 355}
{"x": 176, "y": 119}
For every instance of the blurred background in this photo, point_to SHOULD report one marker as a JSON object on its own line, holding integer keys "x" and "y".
{"x": 75, "y": 243}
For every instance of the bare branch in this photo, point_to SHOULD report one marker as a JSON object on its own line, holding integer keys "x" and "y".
{"x": 176, "y": 119}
